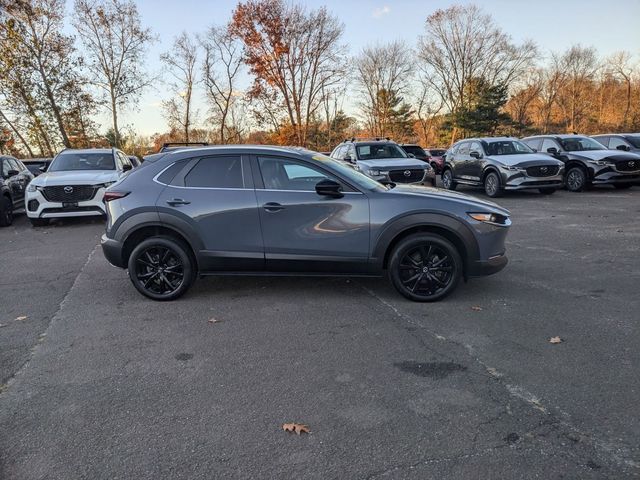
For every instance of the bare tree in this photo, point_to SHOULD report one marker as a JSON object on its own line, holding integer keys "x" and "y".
{"x": 383, "y": 72}
{"x": 292, "y": 51}
{"x": 221, "y": 68}
{"x": 181, "y": 61}
{"x": 116, "y": 42}
{"x": 428, "y": 107}
{"x": 620, "y": 66}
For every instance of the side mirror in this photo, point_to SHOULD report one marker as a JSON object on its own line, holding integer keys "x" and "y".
{"x": 12, "y": 173}
{"x": 347, "y": 158}
{"x": 624, "y": 148}
{"x": 43, "y": 168}
{"x": 552, "y": 150}
{"x": 475, "y": 154}
{"x": 534, "y": 149}
{"x": 126, "y": 167}
{"x": 329, "y": 188}
{"x": 411, "y": 155}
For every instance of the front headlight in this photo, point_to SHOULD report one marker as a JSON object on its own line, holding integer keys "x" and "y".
{"x": 32, "y": 188}
{"x": 510, "y": 168}
{"x": 493, "y": 218}
{"x": 600, "y": 163}
{"x": 106, "y": 184}
{"x": 373, "y": 173}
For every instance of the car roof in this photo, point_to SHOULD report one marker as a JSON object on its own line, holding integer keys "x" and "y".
{"x": 558, "y": 135}
{"x": 616, "y": 135}
{"x": 483, "y": 139}
{"x": 242, "y": 149}
{"x": 87, "y": 150}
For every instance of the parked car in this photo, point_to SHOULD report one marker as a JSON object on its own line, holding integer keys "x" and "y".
{"x": 437, "y": 159}
{"x": 37, "y": 165}
{"x": 498, "y": 164}
{"x": 167, "y": 147}
{"x": 588, "y": 162}
{"x": 14, "y": 178}
{"x": 627, "y": 142}
{"x": 384, "y": 161}
{"x": 74, "y": 184}
{"x": 272, "y": 210}
{"x": 417, "y": 151}
{"x": 135, "y": 161}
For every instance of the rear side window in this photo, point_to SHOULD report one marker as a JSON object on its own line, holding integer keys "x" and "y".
{"x": 168, "y": 175}
{"x": 216, "y": 172}
{"x": 534, "y": 143}
{"x": 605, "y": 141}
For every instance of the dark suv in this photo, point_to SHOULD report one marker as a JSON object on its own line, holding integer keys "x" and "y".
{"x": 14, "y": 178}
{"x": 627, "y": 142}
{"x": 498, "y": 164}
{"x": 385, "y": 161}
{"x": 588, "y": 162}
{"x": 270, "y": 210}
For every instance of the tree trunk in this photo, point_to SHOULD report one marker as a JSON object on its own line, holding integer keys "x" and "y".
{"x": 114, "y": 111}
{"x": 15, "y": 130}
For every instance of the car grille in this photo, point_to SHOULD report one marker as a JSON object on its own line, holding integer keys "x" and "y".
{"x": 543, "y": 171}
{"x": 628, "y": 166}
{"x": 401, "y": 176}
{"x": 69, "y": 193}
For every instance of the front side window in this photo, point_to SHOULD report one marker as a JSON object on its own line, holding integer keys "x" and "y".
{"x": 634, "y": 140}
{"x": 580, "y": 144}
{"x": 216, "y": 172}
{"x": 83, "y": 161}
{"x": 507, "y": 147}
{"x": 376, "y": 151}
{"x": 463, "y": 149}
{"x": 616, "y": 142}
{"x": 476, "y": 147}
{"x": 547, "y": 144}
{"x": 534, "y": 143}
{"x": 4, "y": 166}
{"x": 605, "y": 140}
{"x": 338, "y": 153}
{"x": 284, "y": 174}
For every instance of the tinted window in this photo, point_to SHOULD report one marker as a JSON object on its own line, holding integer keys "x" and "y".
{"x": 383, "y": 150}
{"x": 4, "y": 167}
{"x": 534, "y": 143}
{"x": 437, "y": 152}
{"x": 282, "y": 174}
{"x": 507, "y": 147}
{"x": 605, "y": 140}
{"x": 216, "y": 172}
{"x": 476, "y": 147}
{"x": 83, "y": 161}
{"x": 13, "y": 165}
{"x": 547, "y": 143}
{"x": 634, "y": 140}
{"x": 616, "y": 142}
{"x": 580, "y": 144}
{"x": 415, "y": 150}
{"x": 167, "y": 176}
{"x": 463, "y": 149}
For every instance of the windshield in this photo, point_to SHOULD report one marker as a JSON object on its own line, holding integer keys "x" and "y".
{"x": 633, "y": 140}
{"x": 349, "y": 172}
{"x": 507, "y": 147}
{"x": 83, "y": 161}
{"x": 376, "y": 151}
{"x": 579, "y": 144}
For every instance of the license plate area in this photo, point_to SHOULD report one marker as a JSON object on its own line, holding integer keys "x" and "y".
{"x": 69, "y": 204}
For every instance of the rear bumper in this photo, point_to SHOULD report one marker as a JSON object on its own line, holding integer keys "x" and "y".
{"x": 112, "y": 250}
{"x": 482, "y": 268}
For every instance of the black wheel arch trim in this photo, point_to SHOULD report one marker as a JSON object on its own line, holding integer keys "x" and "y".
{"x": 436, "y": 220}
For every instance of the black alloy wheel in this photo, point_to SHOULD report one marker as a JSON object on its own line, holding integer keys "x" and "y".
{"x": 576, "y": 179}
{"x": 425, "y": 267}
{"x": 447, "y": 180}
{"x": 161, "y": 268}
{"x": 492, "y": 185}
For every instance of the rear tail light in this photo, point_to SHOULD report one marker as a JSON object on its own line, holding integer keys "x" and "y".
{"x": 108, "y": 196}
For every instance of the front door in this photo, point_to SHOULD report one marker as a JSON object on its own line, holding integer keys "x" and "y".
{"x": 307, "y": 232}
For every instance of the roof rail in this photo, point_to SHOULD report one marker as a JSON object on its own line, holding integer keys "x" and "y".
{"x": 365, "y": 139}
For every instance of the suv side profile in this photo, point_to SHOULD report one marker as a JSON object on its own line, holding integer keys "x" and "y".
{"x": 384, "y": 161}
{"x": 588, "y": 162}
{"x": 14, "y": 178}
{"x": 498, "y": 164}
{"x": 258, "y": 210}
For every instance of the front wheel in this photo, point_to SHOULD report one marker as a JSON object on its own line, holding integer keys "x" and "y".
{"x": 6, "y": 212}
{"x": 576, "y": 179}
{"x": 546, "y": 191}
{"x": 161, "y": 268}
{"x": 492, "y": 185}
{"x": 425, "y": 267}
{"x": 447, "y": 180}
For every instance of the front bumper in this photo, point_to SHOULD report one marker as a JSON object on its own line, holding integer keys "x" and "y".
{"x": 519, "y": 180}
{"x": 37, "y": 206}
{"x": 112, "y": 250}
{"x": 610, "y": 176}
{"x": 482, "y": 268}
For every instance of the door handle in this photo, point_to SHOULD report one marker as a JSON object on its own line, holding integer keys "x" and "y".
{"x": 272, "y": 207}
{"x": 178, "y": 201}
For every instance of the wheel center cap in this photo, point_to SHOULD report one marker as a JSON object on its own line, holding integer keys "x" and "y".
{"x": 425, "y": 269}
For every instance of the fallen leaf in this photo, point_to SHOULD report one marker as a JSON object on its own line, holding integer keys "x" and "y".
{"x": 555, "y": 340}
{"x": 476, "y": 308}
{"x": 214, "y": 320}
{"x": 21, "y": 317}
{"x": 296, "y": 427}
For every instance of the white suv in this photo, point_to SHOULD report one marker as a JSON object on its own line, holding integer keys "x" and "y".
{"x": 74, "y": 184}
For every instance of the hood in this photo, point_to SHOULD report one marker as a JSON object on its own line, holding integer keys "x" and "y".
{"x": 75, "y": 177}
{"x": 392, "y": 163}
{"x": 432, "y": 192}
{"x": 615, "y": 155}
{"x": 525, "y": 159}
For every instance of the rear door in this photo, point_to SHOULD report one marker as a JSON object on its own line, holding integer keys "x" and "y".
{"x": 474, "y": 165}
{"x": 213, "y": 197}
{"x": 461, "y": 169}
{"x": 304, "y": 231}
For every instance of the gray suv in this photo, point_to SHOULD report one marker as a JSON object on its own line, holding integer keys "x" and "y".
{"x": 258, "y": 210}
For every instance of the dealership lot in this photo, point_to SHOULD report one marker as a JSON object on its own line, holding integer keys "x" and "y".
{"x": 99, "y": 382}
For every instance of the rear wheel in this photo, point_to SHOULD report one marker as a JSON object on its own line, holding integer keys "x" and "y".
{"x": 161, "y": 268}
{"x": 6, "y": 211}
{"x": 425, "y": 267}
{"x": 547, "y": 191}
{"x": 39, "y": 222}
{"x": 447, "y": 180}
{"x": 622, "y": 186}
{"x": 576, "y": 179}
{"x": 492, "y": 185}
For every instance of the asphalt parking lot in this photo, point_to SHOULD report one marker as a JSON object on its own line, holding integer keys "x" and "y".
{"x": 99, "y": 382}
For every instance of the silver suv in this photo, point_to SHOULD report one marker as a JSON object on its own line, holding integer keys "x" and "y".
{"x": 258, "y": 210}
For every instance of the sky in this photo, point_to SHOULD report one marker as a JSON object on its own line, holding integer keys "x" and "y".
{"x": 554, "y": 25}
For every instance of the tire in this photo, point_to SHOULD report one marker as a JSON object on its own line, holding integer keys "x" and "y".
{"x": 425, "y": 283}
{"x": 447, "y": 179}
{"x": 161, "y": 268}
{"x": 622, "y": 186}
{"x": 547, "y": 191}
{"x": 576, "y": 179}
{"x": 6, "y": 211}
{"x": 39, "y": 222}
{"x": 492, "y": 185}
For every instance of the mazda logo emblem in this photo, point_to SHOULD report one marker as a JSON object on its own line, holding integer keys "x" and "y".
{"x": 632, "y": 163}
{"x": 407, "y": 173}
{"x": 68, "y": 189}
{"x": 543, "y": 169}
